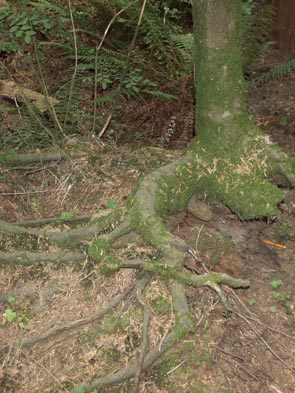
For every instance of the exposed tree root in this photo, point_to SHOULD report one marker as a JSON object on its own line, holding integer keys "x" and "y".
{"x": 53, "y": 220}
{"x": 27, "y": 257}
{"x": 72, "y": 326}
{"x": 10, "y": 159}
{"x": 165, "y": 191}
{"x": 146, "y": 319}
{"x": 184, "y": 325}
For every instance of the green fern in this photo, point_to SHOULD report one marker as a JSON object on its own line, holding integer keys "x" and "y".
{"x": 257, "y": 24}
{"x": 278, "y": 72}
{"x": 183, "y": 45}
{"x": 30, "y": 132}
{"x": 163, "y": 52}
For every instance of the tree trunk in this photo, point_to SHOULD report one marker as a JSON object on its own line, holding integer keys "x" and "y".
{"x": 239, "y": 157}
{"x": 284, "y": 30}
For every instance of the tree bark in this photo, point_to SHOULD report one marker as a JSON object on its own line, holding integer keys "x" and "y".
{"x": 284, "y": 30}
{"x": 240, "y": 159}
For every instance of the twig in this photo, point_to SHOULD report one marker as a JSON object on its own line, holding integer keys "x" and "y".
{"x": 64, "y": 389}
{"x": 125, "y": 69}
{"x": 258, "y": 321}
{"x": 23, "y": 193}
{"x": 176, "y": 367}
{"x": 51, "y": 106}
{"x": 273, "y": 352}
{"x": 76, "y": 63}
{"x": 229, "y": 353}
{"x": 197, "y": 258}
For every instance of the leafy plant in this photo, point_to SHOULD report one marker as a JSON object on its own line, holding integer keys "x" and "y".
{"x": 80, "y": 389}
{"x": 67, "y": 215}
{"x": 112, "y": 204}
{"x": 10, "y": 315}
{"x": 280, "y": 296}
{"x": 25, "y": 24}
{"x": 273, "y": 309}
{"x": 11, "y": 299}
{"x": 276, "y": 284}
{"x": 283, "y": 122}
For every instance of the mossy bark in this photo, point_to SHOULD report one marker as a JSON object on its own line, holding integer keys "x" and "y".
{"x": 239, "y": 158}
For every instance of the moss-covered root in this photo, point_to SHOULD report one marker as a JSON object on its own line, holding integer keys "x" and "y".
{"x": 72, "y": 237}
{"x": 249, "y": 197}
{"x": 245, "y": 186}
{"x": 163, "y": 192}
{"x": 161, "y": 268}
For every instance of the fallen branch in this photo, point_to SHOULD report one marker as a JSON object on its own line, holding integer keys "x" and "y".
{"x": 11, "y": 90}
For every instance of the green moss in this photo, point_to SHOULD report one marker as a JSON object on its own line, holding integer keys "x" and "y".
{"x": 108, "y": 219}
{"x": 112, "y": 324}
{"x": 162, "y": 269}
{"x": 99, "y": 249}
{"x": 112, "y": 356}
{"x": 161, "y": 305}
{"x": 218, "y": 60}
{"x": 180, "y": 329}
{"x": 90, "y": 336}
{"x": 184, "y": 358}
{"x": 175, "y": 191}
{"x": 111, "y": 265}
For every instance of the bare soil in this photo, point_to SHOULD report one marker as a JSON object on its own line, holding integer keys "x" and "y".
{"x": 251, "y": 350}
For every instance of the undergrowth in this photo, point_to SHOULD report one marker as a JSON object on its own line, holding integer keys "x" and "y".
{"x": 98, "y": 70}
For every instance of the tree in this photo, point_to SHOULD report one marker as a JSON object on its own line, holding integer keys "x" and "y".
{"x": 230, "y": 160}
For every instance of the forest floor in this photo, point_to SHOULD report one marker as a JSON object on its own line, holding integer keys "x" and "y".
{"x": 228, "y": 352}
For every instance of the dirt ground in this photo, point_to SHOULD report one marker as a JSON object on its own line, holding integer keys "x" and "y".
{"x": 250, "y": 350}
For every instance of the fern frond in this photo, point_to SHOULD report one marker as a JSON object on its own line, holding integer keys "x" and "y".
{"x": 277, "y": 72}
{"x": 155, "y": 35}
{"x": 257, "y": 24}
{"x": 183, "y": 45}
{"x": 106, "y": 98}
{"x": 159, "y": 94}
